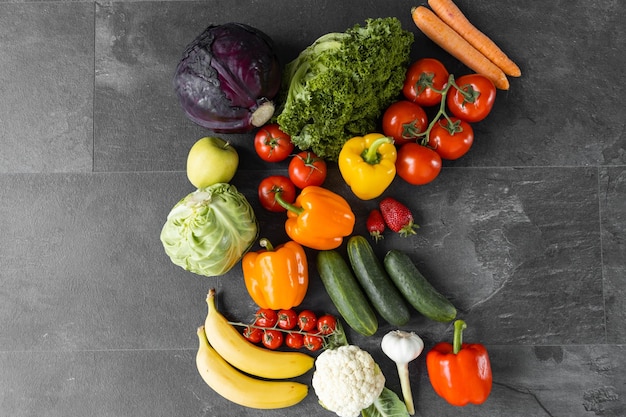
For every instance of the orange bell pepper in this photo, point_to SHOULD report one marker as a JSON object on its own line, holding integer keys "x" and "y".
{"x": 318, "y": 219}
{"x": 460, "y": 372}
{"x": 276, "y": 278}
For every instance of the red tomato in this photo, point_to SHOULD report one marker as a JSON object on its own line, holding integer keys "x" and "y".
{"x": 326, "y": 324}
{"x": 451, "y": 140}
{"x": 266, "y": 317}
{"x": 312, "y": 342}
{"x": 403, "y": 121}
{"x": 417, "y": 164}
{"x": 270, "y": 186}
{"x": 294, "y": 340}
{"x": 306, "y": 169}
{"x": 287, "y": 319}
{"x": 422, "y": 78}
{"x": 253, "y": 334}
{"x": 272, "y": 144}
{"x": 307, "y": 320}
{"x": 474, "y": 101}
{"x": 272, "y": 339}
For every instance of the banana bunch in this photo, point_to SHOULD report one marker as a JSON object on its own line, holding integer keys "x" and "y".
{"x": 224, "y": 355}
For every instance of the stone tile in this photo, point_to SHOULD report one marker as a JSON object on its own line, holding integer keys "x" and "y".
{"x": 516, "y": 250}
{"x": 572, "y": 381}
{"x": 539, "y": 256}
{"x": 100, "y": 383}
{"x": 84, "y": 267}
{"x": 503, "y": 245}
{"x": 613, "y": 215}
{"x": 555, "y": 380}
{"x": 46, "y": 87}
{"x": 565, "y": 108}
{"x": 139, "y": 125}
{"x": 524, "y": 234}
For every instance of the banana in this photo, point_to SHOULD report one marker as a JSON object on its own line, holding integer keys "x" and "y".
{"x": 247, "y": 357}
{"x": 240, "y": 388}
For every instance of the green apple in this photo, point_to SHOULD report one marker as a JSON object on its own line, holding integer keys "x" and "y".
{"x": 211, "y": 160}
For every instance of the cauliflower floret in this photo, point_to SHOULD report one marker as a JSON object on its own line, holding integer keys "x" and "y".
{"x": 347, "y": 380}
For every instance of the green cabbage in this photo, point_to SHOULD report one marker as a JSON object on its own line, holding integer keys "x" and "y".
{"x": 210, "y": 230}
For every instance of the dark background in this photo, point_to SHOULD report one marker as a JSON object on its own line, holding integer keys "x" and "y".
{"x": 525, "y": 234}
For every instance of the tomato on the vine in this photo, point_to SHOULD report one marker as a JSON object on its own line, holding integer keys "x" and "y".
{"x": 307, "y": 320}
{"x": 312, "y": 342}
{"x": 326, "y": 324}
{"x": 272, "y": 144}
{"x": 451, "y": 140}
{"x": 417, "y": 164}
{"x": 266, "y": 317}
{"x": 253, "y": 334}
{"x": 287, "y": 319}
{"x": 404, "y": 120}
{"x": 272, "y": 339}
{"x": 306, "y": 169}
{"x": 421, "y": 77}
{"x": 272, "y": 185}
{"x": 474, "y": 101}
{"x": 294, "y": 340}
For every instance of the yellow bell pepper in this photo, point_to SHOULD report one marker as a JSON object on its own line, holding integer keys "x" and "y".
{"x": 276, "y": 278}
{"x": 368, "y": 164}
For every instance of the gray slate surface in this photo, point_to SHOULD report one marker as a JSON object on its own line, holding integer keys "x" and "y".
{"x": 526, "y": 233}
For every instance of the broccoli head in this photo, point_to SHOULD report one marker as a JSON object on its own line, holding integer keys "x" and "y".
{"x": 339, "y": 86}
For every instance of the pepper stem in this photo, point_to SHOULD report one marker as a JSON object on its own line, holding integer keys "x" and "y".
{"x": 457, "y": 342}
{"x": 370, "y": 155}
{"x": 279, "y": 199}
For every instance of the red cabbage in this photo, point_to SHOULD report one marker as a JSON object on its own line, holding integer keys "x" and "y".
{"x": 228, "y": 77}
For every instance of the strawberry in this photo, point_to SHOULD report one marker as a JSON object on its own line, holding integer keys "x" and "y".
{"x": 398, "y": 216}
{"x": 375, "y": 224}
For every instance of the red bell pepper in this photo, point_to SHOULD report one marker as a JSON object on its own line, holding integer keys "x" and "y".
{"x": 460, "y": 372}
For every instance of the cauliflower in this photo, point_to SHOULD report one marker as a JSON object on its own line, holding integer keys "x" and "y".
{"x": 347, "y": 380}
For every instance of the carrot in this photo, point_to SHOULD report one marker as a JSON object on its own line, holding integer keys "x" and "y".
{"x": 444, "y": 36}
{"x": 452, "y": 15}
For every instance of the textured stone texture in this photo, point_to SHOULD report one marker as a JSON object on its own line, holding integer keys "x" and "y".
{"x": 525, "y": 234}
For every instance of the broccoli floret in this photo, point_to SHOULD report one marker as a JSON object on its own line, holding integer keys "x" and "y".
{"x": 339, "y": 86}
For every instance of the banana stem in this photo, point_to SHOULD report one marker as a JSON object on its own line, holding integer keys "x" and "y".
{"x": 405, "y": 383}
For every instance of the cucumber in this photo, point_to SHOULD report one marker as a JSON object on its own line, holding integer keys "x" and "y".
{"x": 378, "y": 287}
{"x": 345, "y": 293}
{"x": 416, "y": 289}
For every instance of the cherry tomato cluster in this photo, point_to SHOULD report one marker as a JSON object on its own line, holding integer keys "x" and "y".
{"x": 305, "y": 168}
{"x": 305, "y": 329}
{"x": 422, "y": 145}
